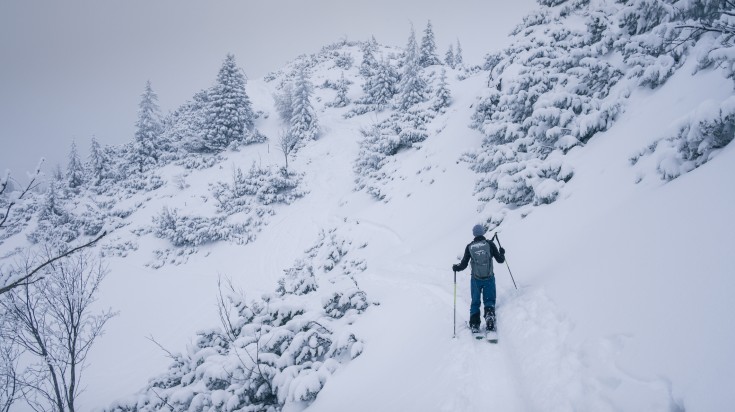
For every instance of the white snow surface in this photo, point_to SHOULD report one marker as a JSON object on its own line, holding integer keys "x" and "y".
{"x": 623, "y": 299}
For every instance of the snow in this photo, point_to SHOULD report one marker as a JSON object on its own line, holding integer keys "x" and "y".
{"x": 624, "y": 282}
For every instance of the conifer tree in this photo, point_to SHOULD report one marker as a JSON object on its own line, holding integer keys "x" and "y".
{"x": 428, "y": 55}
{"x": 304, "y": 125}
{"x": 458, "y": 59}
{"x": 384, "y": 85}
{"x": 342, "y": 100}
{"x": 96, "y": 163}
{"x": 368, "y": 65}
{"x": 74, "y": 169}
{"x": 284, "y": 102}
{"x": 229, "y": 115}
{"x": 148, "y": 130}
{"x": 412, "y": 87}
{"x": 443, "y": 95}
{"x": 50, "y": 205}
{"x": 449, "y": 56}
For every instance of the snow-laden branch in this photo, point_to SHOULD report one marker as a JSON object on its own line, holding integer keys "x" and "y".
{"x": 28, "y": 278}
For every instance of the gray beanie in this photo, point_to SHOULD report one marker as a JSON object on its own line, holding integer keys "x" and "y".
{"x": 478, "y": 230}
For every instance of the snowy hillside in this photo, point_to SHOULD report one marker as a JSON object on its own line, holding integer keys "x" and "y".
{"x": 300, "y": 257}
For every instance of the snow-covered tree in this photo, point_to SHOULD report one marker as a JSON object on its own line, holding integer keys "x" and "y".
{"x": 568, "y": 90}
{"x": 56, "y": 321}
{"x": 427, "y": 55}
{"x": 97, "y": 163}
{"x": 412, "y": 87}
{"x": 184, "y": 127}
{"x": 344, "y": 61}
{"x": 229, "y": 116}
{"x": 148, "y": 130}
{"x": 342, "y": 86}
{"x": 284, "y": 102}
{"x": 368, "y": 59}
{"x": 458, "y": 59}
{"x": 271, "y": 350}
{"x": 449, "y": 56}
{"x": 442, "y": 96}
{"x": 384, "y": 82}
{"x": 286, "y": 144}
{"x": 304, "y": 125}
{"x": 74, "y": 168}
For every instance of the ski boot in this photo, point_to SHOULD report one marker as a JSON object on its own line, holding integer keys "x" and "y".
{"x": 490, "y": 319}
{"x": 475, "y": 323}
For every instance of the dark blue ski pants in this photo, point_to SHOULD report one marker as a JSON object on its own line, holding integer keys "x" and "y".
{"x": 484, "y": 287}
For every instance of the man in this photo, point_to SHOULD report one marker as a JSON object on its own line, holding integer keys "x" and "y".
{"x": 481, "y": 253}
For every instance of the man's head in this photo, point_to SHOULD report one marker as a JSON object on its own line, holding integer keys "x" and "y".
{"x": 478, "y": 230}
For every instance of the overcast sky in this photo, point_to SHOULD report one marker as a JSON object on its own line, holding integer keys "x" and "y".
{"x": 70, "y": 70}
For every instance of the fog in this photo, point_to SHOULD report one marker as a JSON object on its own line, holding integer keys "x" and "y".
{"x": 75, "y": 69}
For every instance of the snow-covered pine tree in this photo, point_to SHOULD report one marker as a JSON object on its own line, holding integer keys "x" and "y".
{"x": 368, "y": 59}
{"x": 341, "y": 100}
{"x": 148, "y": 130}
{"x": 428, "y": 56}
{"x": 443, "y": 97}
{"x": 96, "y": 163}
{"x": 384, "y": 85}
{"x": 229, "y": 116}
{"x": 304, "y": 125}
{"x": 412, "y": 87}
{"x": 50, "y": 204}
{"x": 184, "y": 127}
{"x": 449, "y": 56}
{"x": 284, "y": 102}
{"x": 458, "y": 59}
{"x": 74, "y": 169}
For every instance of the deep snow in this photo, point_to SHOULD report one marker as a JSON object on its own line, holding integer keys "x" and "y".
{"x": 623, "y": 287}
{"x": 622, "y": 300}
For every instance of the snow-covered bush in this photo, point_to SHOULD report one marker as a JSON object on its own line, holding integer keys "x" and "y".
{"x": 182, "y": 230}
{"x": 342, "y": 87}
{"x": 248, "y": 196}
{"x": 270, "y": 351}
{"x": 344, "y": 61}
{"x": 260, "y": 184}
{"x": 562, "y": 82}
{"x": 698, "y": 138}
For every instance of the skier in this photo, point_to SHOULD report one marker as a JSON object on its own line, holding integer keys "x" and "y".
{"x": 481, "y": 253}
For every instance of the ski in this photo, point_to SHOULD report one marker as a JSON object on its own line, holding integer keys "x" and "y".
{"x": 484, "y": 334}
{"x": 492, "y": 336}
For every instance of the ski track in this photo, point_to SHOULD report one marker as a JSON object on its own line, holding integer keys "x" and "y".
{"x": 470, "y": 374}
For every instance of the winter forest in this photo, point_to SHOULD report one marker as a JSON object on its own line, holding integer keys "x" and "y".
{"x": 285, "y": 243}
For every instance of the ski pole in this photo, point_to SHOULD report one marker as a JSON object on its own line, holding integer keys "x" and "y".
{"x": 454, "y": 334}
{"x": 506, "y": 262}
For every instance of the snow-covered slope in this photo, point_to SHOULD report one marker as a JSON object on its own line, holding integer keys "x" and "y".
{"x": 623, "y": 282}
{"x": 622, "y": 286}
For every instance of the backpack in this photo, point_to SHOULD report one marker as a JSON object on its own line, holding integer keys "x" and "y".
{"x": 482, "y": 259}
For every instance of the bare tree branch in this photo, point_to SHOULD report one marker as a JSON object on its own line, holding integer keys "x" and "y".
{"x": 27, "y": 279}
{"x": 170, "y": 355}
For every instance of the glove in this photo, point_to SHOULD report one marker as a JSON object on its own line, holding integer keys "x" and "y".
{"x": 502, "y": 251}
{"x": 455, "y": 268}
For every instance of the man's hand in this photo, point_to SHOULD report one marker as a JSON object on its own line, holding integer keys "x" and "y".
{"x": 502, "y": 251}
{"x": 455, "y": 268}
